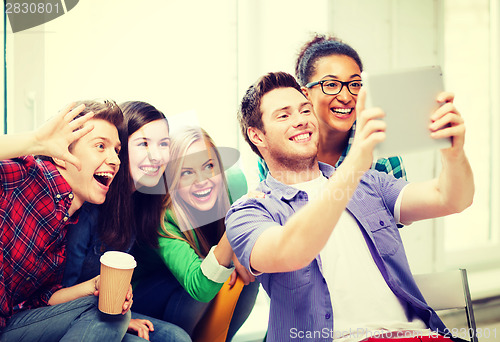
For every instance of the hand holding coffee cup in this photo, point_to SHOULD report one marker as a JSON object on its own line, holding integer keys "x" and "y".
{"x": 114, "y": 287}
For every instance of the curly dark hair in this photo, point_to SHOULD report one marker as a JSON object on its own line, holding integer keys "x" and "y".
{"x": 320, "y": 46}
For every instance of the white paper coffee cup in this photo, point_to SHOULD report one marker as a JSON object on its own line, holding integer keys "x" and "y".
{"x": 116, "y": 273}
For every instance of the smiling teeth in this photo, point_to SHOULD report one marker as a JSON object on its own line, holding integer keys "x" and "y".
{"x": 301, "y": 137}
{"x": 202, "y": 193}
{"x": 104, "y": 174}
{"x": 150, "y": 169}
{"x": 342, "y": 110}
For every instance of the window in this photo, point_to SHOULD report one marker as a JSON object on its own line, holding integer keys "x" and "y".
{"x": 471, "y": 238}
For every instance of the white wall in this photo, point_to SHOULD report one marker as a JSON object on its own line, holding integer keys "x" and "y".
{"x": 270, "y": 35}
{"x": 179, "y": 56}
{"x": 202, "y": 55}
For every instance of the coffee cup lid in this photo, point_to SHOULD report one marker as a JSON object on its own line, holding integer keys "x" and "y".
{"x": 119, "y": 260}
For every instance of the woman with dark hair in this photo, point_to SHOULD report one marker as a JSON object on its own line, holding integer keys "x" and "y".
{"x": 177, "y": 281}
{"x": 329, "y": 72}
{"x": 131, "y": 213}
{"x": 143, "y": 187}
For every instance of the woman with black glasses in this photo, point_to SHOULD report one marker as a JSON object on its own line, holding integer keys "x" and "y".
{"x": 329, "y": 72}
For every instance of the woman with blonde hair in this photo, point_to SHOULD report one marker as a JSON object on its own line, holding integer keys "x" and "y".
{"x": 177, "y": 281}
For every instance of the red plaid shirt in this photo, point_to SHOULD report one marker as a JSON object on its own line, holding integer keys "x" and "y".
{"x": 34, "y": 204}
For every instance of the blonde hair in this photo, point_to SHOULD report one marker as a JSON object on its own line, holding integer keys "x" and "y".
{"x": 181, "y": 210}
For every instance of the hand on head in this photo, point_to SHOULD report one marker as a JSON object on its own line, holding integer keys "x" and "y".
{"x": 56, "y": 135}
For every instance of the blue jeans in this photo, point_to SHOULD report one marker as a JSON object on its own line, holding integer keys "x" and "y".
{"x": 163, "y": 331}
{"x": 163, "y": 297}
{"x": 77, "y": 320}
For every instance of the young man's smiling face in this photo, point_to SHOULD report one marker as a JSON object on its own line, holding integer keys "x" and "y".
{"x": 291, "y": 128}
{"x": 98, "y": 155}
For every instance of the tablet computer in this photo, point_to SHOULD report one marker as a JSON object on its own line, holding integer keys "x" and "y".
{"x": 408, "y": 98}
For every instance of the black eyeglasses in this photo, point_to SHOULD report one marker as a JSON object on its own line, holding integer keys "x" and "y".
{"x": 333, "y": 87}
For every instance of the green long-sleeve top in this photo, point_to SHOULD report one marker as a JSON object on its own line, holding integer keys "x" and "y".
{"x": 179, "y": 257}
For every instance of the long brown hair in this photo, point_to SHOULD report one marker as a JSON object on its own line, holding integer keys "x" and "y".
{"x": 181, "y": 211}
{"x": 129, "y": 215}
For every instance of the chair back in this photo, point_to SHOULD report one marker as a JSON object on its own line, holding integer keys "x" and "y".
{"x": 443, "y": 289}
{"x": 214, "y": 324}
{"x": 448, "y": 290}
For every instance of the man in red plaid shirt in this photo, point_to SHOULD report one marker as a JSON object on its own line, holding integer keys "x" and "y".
{"x": 38, "y": 198}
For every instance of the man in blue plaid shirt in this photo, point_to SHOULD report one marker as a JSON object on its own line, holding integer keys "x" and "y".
{"x": 324, "y": 242}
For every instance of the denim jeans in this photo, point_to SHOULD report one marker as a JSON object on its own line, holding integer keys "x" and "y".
{"x": 163, "y": 331}
{"x": 163, "y": 297}
{"x": 77, "y": 320}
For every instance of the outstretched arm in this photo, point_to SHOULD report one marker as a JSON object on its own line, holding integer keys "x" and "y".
{"x": 453, "y": 190}
{"x": 298, "y": 242}
{"x": 51, "y": 139}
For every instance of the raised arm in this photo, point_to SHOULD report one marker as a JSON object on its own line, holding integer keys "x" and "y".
{"x": 453, "y": 190}
{"x": 299, "y": 241}
{"x": 51, "y": 139}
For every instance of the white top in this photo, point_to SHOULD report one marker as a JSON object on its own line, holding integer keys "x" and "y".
{"x": 363, "y": 304}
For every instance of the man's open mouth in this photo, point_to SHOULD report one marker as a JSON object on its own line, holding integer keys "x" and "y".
{"x": 104, "y": 178}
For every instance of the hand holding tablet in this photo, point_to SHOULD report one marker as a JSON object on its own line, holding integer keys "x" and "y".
{"x": 408, "y": 98}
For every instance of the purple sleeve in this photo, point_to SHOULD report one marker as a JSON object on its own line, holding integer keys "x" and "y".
{"x": 388, "y": 186}
{"x": 245, "y": 222}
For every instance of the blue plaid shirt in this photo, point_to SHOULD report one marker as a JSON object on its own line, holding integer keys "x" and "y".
{"x": 391, "y": 165}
